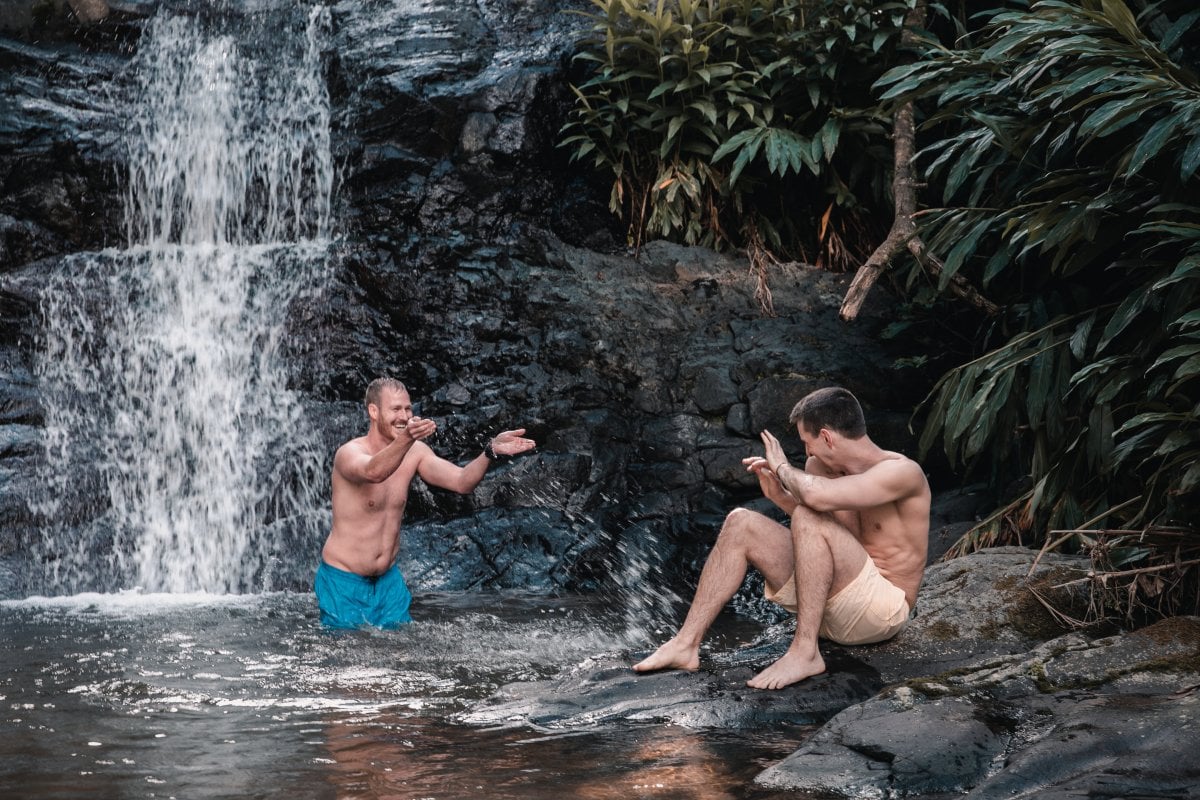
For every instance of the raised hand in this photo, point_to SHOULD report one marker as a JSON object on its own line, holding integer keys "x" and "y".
{"x": 511, "y": 443}
{"x": 775, "y": 456}
{"x": 769, "y": 483}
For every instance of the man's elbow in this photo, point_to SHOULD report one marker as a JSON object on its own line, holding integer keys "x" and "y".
{"x": 373, "y": 476}
{"x": 819, "y": 504}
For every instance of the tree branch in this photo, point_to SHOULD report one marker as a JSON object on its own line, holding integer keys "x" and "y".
{"x": 904, "y": 197}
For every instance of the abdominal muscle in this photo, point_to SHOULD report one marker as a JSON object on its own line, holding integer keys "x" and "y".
{"x": 897, "y": 546}
{"x": 365, "y": 538}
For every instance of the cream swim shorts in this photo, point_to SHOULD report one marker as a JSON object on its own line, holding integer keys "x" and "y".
{"x": 869, "y": 610}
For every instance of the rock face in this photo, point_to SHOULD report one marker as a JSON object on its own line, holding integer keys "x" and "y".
{"x": 483, "y": 269}
{"x": 1113, "y": 717}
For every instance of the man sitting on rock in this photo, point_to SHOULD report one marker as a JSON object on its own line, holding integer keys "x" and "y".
{"x": 358, "y": 581}
{"x": 851, "y": 563}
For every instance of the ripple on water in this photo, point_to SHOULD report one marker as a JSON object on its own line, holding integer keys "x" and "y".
{"x": 264, "y": 651}
{"x": 215, "y": 696}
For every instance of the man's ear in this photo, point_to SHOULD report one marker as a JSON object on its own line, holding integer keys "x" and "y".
{"x": 373, "y": 412}
{"x": 826, "y": 435}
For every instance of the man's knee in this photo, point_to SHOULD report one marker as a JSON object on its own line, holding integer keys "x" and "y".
{"x": 807, "y": 522}
{"x": 741, "y": 524}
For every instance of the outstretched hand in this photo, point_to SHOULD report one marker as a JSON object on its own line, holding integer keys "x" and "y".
{"x": 511, "y": 443}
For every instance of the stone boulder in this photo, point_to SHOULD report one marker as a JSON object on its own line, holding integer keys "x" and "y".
{"x": 981, "y": 696}
{"x": 1112, "y": 717}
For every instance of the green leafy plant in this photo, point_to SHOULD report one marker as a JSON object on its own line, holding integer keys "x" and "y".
{"x": 1066, "y": 146}
{"x": 731, "y": 122}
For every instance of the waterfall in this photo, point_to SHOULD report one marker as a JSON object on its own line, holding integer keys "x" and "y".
{"x": 178, "y": 459}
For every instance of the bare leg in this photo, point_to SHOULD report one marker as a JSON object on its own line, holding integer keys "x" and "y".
{"x": 828, "y": 557}
{"x": 747, "y": 538}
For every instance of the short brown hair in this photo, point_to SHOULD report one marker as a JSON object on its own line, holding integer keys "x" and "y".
{"x": 375, "y": 389}
{"x": 833, "y": 408}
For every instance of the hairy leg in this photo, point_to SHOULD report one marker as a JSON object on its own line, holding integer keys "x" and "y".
{"x": 828, "y": 557}
{"x": 747, "y": 539}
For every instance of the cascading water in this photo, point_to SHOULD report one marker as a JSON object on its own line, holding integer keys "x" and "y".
{"x": 177, "y": 457}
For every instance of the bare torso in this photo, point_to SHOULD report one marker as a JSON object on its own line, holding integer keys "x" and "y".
{"x": 365, "y": 537}
{"x": 895, "y": 534}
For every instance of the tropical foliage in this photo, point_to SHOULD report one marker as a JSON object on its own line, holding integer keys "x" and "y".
{"x": 1059, "y": 148}
{"x": 740, "y": 122}
{"x": 1066, "y": 154}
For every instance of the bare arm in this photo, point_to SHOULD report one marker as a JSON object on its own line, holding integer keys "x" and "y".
{"x": 439, "y": 472}
{"x": 356, "y": 465}
{"x": 886, "y": 482}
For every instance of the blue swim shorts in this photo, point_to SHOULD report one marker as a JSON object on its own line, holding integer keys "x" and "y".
{"x": 348, "y": 600}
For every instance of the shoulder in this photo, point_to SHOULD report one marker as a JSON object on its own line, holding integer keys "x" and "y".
{"x": 353, "y": 446}
{"x": 814, "y": 466}
{"x": 900, "y": 468}
{"x": 358, "y": 445}
{"x": 351, "y": 450}
{"x": 419, "y": 451}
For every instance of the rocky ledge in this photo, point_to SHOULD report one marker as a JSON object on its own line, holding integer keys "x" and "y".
{"x": 983, "y": 695}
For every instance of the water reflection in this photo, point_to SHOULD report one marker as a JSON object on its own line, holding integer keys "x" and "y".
{"x": 405, "y": 756}
{"x": 207, "y": 696}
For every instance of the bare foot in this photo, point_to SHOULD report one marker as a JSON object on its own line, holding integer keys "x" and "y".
{"x": 674, "y": 654}
{"x": 792, "y": 668}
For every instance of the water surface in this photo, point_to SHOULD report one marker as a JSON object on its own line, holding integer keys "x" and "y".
{"x": 138, "y": 695}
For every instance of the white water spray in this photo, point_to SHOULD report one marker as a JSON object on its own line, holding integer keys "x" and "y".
{"x": 161, "y": 364}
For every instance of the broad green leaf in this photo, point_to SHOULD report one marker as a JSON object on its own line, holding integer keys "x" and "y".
{"x": 1176, "y": 440}
{"x": 1079, "y": 338}
{"x": 1124, "y": 110}
{"x": 1188, "y": 320}
{"x": 1177, "y": 30}
{"x": 676, "y": 124}
{"x": 829, "y": 134}
{"x": 1122, "y": 19}
{"x": 736, "y": 142}
{"x": 707, "y": 108}
{"x": 1176, "y": 353}
{"x": 962, "y": 251}
{"x": 1190, "y": 480}
{"x": 1188, "y": 369}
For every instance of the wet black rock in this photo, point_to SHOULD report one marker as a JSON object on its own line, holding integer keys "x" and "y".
{"x": 970, "y": 609}
{"x": 983, "y": 695}
{"x": 1110, "y": 717}
{"x": 478, "y": 265}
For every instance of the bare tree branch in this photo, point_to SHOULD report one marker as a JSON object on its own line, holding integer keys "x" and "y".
{"x": 904, "y": 196}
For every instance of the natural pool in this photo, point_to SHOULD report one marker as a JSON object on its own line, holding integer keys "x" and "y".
{"x": 188, "y": 696}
